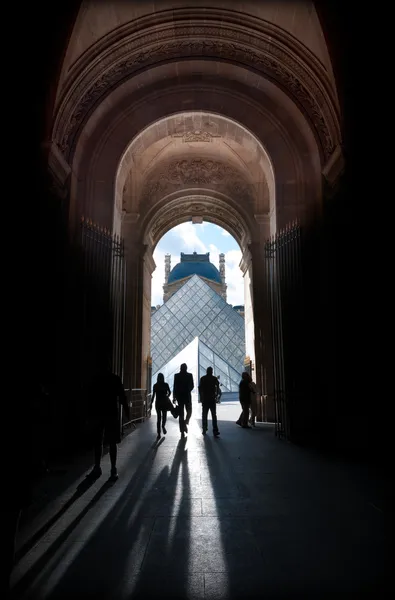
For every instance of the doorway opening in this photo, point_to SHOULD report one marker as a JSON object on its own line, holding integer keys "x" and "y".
{"x": 198, "y": 305}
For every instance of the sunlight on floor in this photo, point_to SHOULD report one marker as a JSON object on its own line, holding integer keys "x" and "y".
{"x": 164, "y": 489}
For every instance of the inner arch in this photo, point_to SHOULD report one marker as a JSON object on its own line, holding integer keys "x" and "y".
{"x": 194, "y": 136}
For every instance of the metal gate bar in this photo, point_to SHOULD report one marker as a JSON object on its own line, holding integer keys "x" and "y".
{"x": 103, "y": 290}
{"x": 284, "y": 291}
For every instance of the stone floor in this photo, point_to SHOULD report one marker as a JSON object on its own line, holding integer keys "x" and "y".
{"x": 243, "y": 516}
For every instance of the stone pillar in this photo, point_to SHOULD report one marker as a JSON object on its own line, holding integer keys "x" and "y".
{"x": 222, "y": 273}
{"x": 134, "y": 258}
{"x": 148, "y": 268}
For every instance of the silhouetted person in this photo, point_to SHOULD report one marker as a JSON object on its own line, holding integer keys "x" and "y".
{"x": 108, "y": 395}
{"x": 245, "y": 400}
{"x": 161, "y": 391}
{"x": 254, "y": 401}
{"x": 182, "y": 388}
{"x": 208, "y": 390}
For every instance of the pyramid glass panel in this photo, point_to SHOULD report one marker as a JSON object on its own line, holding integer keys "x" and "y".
{"x": 197, "y": 311}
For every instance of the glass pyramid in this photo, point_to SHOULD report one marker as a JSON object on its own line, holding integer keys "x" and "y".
{"x": 197, "y": 311}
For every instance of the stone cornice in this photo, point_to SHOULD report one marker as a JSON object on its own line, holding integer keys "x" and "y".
{"x": 263, "y": 219}
{"x": 149, "y": 260}
{"x": 334, "y": 167}
{"x": 277, "y": 57}
{"x": 246, "y": 261}
{"x": 128, "y": 218}
{"x": 58, "y": 167}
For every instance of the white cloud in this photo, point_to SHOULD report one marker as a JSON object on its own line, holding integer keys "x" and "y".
{"x": 158, "y": 278}
{"x": 185, "y": 238}
{"x": 188, "y": 234}
{"x": 234, "y": 277}
{"x": 225, "y": 233}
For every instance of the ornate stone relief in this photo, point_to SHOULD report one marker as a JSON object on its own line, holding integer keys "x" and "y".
{"x": 196, "y": 172}
{"x": 263, "y": 51}
{"x": 196, "y": 136}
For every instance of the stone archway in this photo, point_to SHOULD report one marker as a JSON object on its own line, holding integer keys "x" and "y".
{"x": 209, "y": 209}
{"x": 137, "y": 79}
{"x": 194, "y": 164}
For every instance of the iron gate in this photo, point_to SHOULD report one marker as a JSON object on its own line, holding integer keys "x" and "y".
{"x": 103, "y": 280}
{"x": 284, "y": 289}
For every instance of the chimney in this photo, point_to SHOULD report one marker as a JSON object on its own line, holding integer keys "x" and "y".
{"x": 167, "y": 267}
{"x": 222, "y": 273}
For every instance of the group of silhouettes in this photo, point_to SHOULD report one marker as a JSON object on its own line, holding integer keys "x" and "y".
{"x": 109, "y": 394}
{"x": 209, "y": 395}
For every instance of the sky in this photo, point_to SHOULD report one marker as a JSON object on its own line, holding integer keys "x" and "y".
{"x": 200, "y": 238}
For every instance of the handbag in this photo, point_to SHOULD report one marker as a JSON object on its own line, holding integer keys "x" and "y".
{"x": 175, "y": 410}
{"x": 172, "y": 408}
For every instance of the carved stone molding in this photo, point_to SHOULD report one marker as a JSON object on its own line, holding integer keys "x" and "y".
{"x": 184, "y": 209}
{"x": 196, "y": 172}
{"x": 275, "y": 56}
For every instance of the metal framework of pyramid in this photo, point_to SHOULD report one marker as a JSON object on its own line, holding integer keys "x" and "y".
{"x": 198, "y": 327}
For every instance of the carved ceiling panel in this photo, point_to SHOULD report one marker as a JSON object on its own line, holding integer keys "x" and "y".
{"x": 196, "y": 172}
{"x": 196, "y": 136}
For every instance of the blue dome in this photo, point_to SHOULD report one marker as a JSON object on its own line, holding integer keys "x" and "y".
{"x": 186, "y": 269}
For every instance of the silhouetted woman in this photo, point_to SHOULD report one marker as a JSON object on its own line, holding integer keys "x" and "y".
{"x": 162, "y": 393}
{"x": 245, "y": 400}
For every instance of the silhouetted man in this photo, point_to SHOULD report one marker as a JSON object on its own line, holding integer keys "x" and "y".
{"x": 182, "y": 388}
{"x": 108, "y": 395}
{"x": 208, "y": 390}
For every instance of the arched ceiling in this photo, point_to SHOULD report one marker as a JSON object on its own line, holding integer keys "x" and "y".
{"x": 176, "y": 103}
{"x": 217, "y": 37}
{"x": 146, "y": 102}
{"x": 210, "y": 208}
{"x": 190, "y": 150}
{"x": 97, "y": 19}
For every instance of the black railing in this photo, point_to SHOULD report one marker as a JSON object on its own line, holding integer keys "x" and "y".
{"x": 139, "y": 407}
{"x": 284, "y": 289}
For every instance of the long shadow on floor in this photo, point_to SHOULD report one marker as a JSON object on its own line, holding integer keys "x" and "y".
{"x": 110, "y": 559}
{"x": 34, "y": 581}
{"x": 81, "y": 489}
